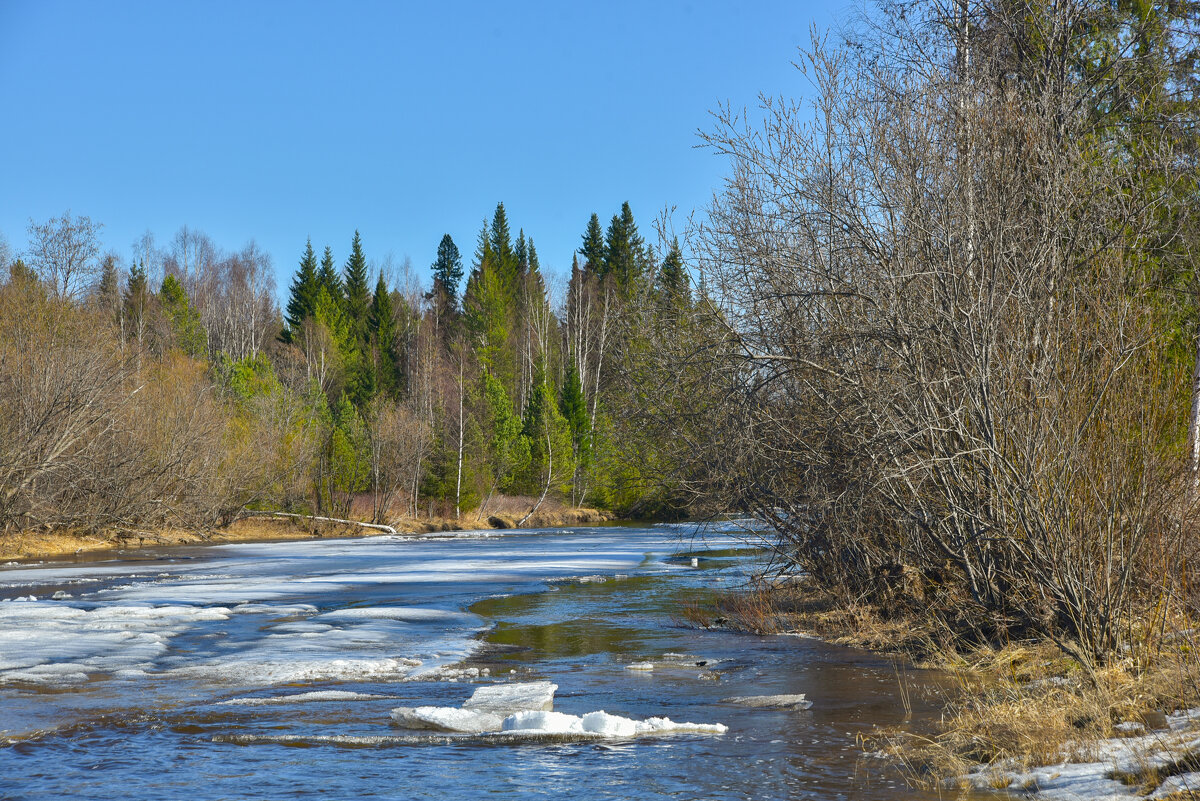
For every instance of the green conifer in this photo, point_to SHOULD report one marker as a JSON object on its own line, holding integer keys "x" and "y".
{"x": 593, "y": 247}
{"x": 672, "y": 280}
{"x": 328, "y": 278}
{"x": 303, "y": 297}
{"x": 184, "y": 319}
{"x": 358, "y": 294}
{"x": 383, "y": 332}
{"x": 447, "y": 270}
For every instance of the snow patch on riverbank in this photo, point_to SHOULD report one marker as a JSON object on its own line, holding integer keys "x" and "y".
{"x": 1096, "y": 778}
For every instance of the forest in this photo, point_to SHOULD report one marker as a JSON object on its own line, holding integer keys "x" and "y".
{"x": 941, "y": 343}
{"x": 171, "y": 390}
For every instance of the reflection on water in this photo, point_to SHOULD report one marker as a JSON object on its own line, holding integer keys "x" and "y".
{"x": 269, "y": 670}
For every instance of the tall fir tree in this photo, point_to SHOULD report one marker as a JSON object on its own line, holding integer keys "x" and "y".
{"x": 108, "y": 292}
{"x": 521, "y": 253}
{"x": 385, "y": 340}
{"x": 189, "y": 334}
{"x": 574, "y": 409}
{"x": 624, "y": 259}
{"x": 302, "y": 300}
{"x": 448, "y": 271}
{"x": 358, "y": 294}
{"x": 505, "y": 258}
{"x": 672, "y": 280}
{"x": 592, "y": 249}
{"x": 533, "y": 258}
{"x": 328, "y": 278}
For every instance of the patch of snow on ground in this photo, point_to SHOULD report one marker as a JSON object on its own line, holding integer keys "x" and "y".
{"x": 1093, "y": 780}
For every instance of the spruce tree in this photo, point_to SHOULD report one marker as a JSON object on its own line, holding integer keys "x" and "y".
{"x": 500, "y": 240}
{"x": 383, "y": 332}
{"x": 189, "y": 333}
{"x": 623, "y": 256}
{"x": 328, "y": 278}
{"x": 448, "y": 270}
{"x": 672, "y": 281}
{"x": 533, "y": 258}
{"x": 593, "y": 247}
{"x": 521, "y": 254}
{"x": 303, "y": 297}
{"x": 358, "y": 294}
{"x": 136, "y": 301}
{"x": 108, "y": 293}
{"x": 574, "y": 409}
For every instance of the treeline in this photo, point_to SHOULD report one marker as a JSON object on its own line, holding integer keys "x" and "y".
{"x": 173, "y": 391}
{"x": 949, "y": 346}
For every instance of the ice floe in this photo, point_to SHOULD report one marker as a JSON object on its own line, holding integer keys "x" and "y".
{"x": 795, "y": 701}
{"x": 299, "y": 698}
{"x": 526, "y": 710}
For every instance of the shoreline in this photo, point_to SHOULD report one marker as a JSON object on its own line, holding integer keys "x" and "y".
{"x": 37, "y": 545}
{"x": 1023, "y": 717}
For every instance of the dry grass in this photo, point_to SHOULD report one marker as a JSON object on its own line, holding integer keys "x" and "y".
{"x": 1029, "y": 704}
{"x": 40, "y": 544}
{"x": 797, "y": 606}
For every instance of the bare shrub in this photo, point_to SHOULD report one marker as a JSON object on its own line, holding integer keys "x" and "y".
{"x": 937, "y": 358}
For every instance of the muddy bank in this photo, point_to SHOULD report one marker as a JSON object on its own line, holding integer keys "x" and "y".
{"x": 44, "y": 545}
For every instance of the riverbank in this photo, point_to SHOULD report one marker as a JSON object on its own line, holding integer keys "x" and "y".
{"x": 1027, "y": 717}
{"x": 262, "y": 528}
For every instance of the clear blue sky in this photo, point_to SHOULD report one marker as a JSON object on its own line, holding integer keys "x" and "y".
{"x": 277, "y": 121}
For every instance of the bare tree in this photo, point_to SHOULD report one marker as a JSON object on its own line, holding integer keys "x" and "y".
{"x": 63, "y": 251}
{"x": 935, "y": 372}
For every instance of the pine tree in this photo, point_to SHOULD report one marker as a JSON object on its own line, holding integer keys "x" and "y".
{"x": 672, "y": 281}
{"x": 108, "y": 292}
{"x": 383, "y": 332}
{"x": 500, "y": 240}
{"x": 533, "y": 258}
{"x": 448, "y": 271}
{"x": 623, "y": 256}
{"x": 574, "y": 409}
{"x": 328, "y": 278}
{"x": 358, "y": 294}
{"x": 303, "y": 298}
{"x": 135, "y": 304}
{"x": 183, "y": 317}
{"x": 593, "y": 247}
{"x": 521, "y": 254}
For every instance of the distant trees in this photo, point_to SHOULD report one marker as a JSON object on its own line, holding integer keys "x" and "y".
{"x": 63, "y": 251}
{"x": 180, "y": 394}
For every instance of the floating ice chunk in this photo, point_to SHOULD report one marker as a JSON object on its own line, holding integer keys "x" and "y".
{"x": 316, "y": 695}
{"x": 668, "y": 726}
{"x": 640, "y": 666}
{"x": 794, "y": 701}
{"x": 506, "y": 699}
{"x": 447, "y": 718}
{"x": 543, "y": 723}
{"x": 484, "y": 711}
{"x": 601, "y": 724}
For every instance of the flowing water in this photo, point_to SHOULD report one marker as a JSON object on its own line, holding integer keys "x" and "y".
{"x": 270, "y": 670}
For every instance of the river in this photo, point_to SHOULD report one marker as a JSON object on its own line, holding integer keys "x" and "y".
{"x": 270, "y": 671}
